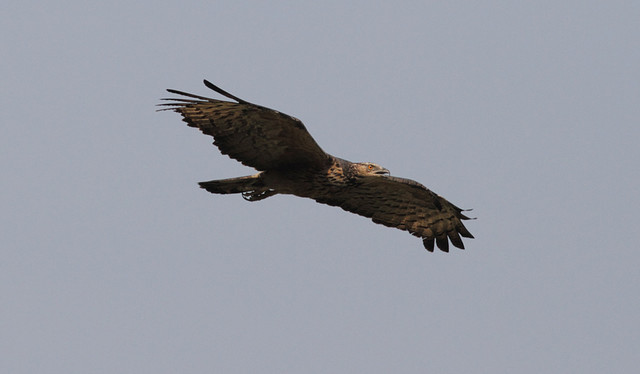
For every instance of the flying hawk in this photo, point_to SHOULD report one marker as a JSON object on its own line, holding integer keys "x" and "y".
{"x": 289, "y": 161}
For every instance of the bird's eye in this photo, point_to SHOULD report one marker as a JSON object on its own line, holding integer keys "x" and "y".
{"x": 370, "y": 167}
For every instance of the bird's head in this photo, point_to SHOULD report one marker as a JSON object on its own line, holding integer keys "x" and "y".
{"x": 369, "y": 169}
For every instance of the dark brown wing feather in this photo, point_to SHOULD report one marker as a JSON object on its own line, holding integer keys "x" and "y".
{"x": 407, "y": 205}
{"x": 254, "y": 135}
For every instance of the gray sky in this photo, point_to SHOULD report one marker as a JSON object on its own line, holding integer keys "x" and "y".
{"x": 114, "y": 261}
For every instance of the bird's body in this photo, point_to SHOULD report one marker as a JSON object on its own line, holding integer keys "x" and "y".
{"x": 289, "y": 161}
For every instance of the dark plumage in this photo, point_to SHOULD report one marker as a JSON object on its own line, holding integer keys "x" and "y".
{"x": 289, "y": 161}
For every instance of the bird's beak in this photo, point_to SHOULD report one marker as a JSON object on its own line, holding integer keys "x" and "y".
{"x": 383, "y": 172}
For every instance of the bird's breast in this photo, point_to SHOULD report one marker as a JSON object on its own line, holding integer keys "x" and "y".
{"x": 305, "y": 182}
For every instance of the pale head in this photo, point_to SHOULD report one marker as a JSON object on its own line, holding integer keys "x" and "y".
{"x": 369, "y": 169}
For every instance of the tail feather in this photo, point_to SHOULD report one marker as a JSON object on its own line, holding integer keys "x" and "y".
{"x": 251, "y": 187}
{"x": 234, "y": 185}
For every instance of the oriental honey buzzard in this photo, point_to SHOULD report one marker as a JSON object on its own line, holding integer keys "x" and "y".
{"x": 290, "y": 161}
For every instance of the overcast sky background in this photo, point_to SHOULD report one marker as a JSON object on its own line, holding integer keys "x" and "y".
{"x": 114, "y": 261}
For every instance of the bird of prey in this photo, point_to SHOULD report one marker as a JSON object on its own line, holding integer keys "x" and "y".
{"x": 289, "y": 161}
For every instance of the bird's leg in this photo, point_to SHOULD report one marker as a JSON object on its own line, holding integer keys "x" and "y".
{"x": 257, "y": 195}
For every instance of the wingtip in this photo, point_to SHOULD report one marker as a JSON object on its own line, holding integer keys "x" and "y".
{"x": 210, "y": 85}
{"x": 223, "y": 92}
{"x": 428, "y": 244}
{"x": 463, "y": 216}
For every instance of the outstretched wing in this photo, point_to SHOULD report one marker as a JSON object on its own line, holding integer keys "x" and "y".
{"x": 259, "y": 137}
{"x": 407, "y": 205}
